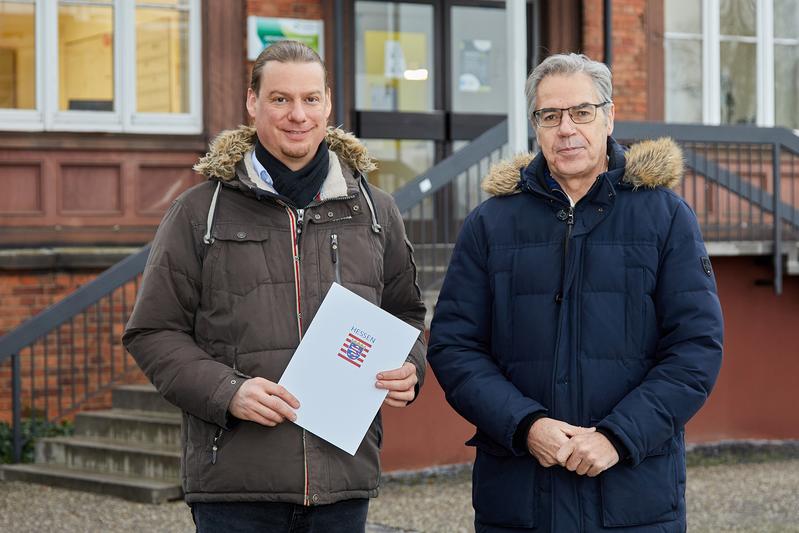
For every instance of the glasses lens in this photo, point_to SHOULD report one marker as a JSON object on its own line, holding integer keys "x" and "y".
{"x": 582, "y": 114}
{"x": 549, "y": 118}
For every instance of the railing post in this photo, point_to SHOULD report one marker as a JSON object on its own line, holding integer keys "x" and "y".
{"x": 777, "y": 199}
{"x": 16, "y": 407}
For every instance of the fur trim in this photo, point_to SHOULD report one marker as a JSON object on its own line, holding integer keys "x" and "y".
{"x": 230, "y": 146}
{"x": 654, "y": 163}
{"x": 651, "y": 164}
{"x": 503, "y": 178}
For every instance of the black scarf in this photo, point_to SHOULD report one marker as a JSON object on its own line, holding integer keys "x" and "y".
{"x": 298, "y": 186}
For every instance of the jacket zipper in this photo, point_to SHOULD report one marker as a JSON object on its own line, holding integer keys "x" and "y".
{"x": 569, "y": 228}
{"x": 296, "y": 220}
{"x": 334, "y": 256}
{"x": 559, "y": 300}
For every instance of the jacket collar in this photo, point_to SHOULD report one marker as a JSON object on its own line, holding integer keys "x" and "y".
{"x": 231, "y": 146}
{"x": 646, "y": 164}
{"x": 229, "y": 160}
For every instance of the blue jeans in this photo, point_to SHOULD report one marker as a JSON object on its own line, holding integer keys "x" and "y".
{"x": 348, "y": 516}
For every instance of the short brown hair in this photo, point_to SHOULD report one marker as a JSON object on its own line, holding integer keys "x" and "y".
{"x": 284, "y": 52}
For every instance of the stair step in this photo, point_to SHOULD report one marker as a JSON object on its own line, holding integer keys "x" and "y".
{"x": 108, "y": 457}
{"x": 129, "y": 488}
{"x": 154, "y": 427}
{"x": 140, "y": 398}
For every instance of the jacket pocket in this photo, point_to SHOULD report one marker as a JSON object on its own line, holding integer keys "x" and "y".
{"x": 503, "y": 490}
{"x": 642, "y": 494}
{"x": 238, "y": 258}
{"x": 198, "y": 434}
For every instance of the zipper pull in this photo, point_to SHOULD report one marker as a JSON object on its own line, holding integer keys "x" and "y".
{"x": 300, "y": 215}
{"x": 334, "y": 247}
{"x": 570, "y": 217}
{"x": 215, "y": 446}
{"x": 334, "y": 256}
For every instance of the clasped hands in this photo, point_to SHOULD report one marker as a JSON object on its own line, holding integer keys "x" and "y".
{"x": 581, "y": 450}
{"x": 267, "y": 403}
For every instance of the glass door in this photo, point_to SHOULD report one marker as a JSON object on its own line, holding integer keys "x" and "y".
{"x": 429, "y": 75}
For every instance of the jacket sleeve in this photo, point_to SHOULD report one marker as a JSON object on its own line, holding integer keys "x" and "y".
{"x": 159, "y": 333}
{"x": 401, "y": 295}
{"x": 460, "y": 346}
{"x": 689, "y": 349}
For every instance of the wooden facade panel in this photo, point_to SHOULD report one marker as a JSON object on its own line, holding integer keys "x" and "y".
{"x": 157, "y": 185}
{"x": 85, "y": 197}
{"x": 21, "y": 184}
{"x": 90, "y": 189}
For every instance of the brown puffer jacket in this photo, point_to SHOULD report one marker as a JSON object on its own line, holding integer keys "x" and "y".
{"x": 214, "y": 309}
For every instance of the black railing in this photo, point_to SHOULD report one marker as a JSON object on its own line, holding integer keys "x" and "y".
{"x": 740, "y": 180}
{"x": 72, "y": 351}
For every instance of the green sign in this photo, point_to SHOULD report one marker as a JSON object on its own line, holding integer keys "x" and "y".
{"x": 261, "y": 32}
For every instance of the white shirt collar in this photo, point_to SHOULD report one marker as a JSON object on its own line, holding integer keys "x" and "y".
{"x": 264, "y": 180}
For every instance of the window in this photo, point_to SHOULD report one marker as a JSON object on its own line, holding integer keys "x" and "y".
{"x": 732, "y": 62}
{"x": 100, "y": 65}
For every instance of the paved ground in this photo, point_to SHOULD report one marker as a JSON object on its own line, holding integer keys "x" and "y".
{"x": 753, "y": 497}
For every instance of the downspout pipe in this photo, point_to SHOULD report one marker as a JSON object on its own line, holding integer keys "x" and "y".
{"x": 607, "y": 22}
{"x": 338, "y": 39}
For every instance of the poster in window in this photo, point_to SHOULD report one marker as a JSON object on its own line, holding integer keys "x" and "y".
{"x": 475, "y": 66}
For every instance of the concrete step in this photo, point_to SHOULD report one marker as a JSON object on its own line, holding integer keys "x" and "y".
{"x": 107, "y": 457}
{"x": 127, "y": 487}
{"x": 123, "y": 425}
{"x": 140, "y": 398}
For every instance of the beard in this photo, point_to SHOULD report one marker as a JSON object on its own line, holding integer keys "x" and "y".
{"x": 296, "y": 152}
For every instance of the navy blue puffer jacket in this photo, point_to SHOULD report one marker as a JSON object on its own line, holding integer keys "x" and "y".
{"x": 605, "y": 314}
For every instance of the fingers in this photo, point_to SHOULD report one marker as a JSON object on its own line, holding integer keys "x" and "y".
{"x": 572, "y": 431}
{"x": 401, "y": 373}
{"x": 281, "y": 392}
{"x": 264, "y": 402}
{"x": 400, "y": 384}
{"x": 564, "y": 453}
{"x": 395, "y": 403}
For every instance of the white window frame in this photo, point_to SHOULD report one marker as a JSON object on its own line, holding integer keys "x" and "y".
{"x": 124, "y": 118}
{"x": 711, "y": 60}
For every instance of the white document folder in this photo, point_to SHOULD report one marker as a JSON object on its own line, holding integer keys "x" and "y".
{"x": 334, "y": 370}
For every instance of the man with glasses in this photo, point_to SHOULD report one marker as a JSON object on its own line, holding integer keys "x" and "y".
{"x": 578, "y": 327}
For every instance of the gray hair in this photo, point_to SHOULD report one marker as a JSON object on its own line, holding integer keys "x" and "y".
{"x": 568, "y": 64}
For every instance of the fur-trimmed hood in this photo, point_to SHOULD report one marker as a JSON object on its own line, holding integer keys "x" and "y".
{"x": 230, "y": 147}
{"x": 652, "y": 163}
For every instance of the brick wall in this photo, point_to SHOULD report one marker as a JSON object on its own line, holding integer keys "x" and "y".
{"x": 91, "y": 353}
{"x": 630, "y": 61}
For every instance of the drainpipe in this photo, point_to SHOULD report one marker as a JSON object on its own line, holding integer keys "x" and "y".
{"x": 516, "y": 20}
{"x": 607, "y": 16}
{"x": 338, "y": 39}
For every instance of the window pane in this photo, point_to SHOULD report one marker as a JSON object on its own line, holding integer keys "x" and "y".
{"x": 17, "y": 55}
{"x": 162, "y": 58}
{"x": 86, "y": 56}
{"x": 684, "y": 16}
{"x": 738, "y": 17}
{"x": 786, "y": 78}
{"x": 738, "y": 83}
{"x": 479, "y": 70}
{"x": 399, "y": 161}
{"x": 786, "y": 19}
{"x": 394, "y": 56}
{"x": 683, "y": 81}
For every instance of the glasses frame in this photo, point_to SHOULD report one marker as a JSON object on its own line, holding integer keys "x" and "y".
{"x": 537, "y": 113}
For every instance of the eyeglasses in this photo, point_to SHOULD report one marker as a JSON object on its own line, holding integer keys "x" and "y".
{"x": 549, "y": 117}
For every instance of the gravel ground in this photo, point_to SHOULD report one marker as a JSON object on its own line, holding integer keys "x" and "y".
{"x": 753, "y": 497}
